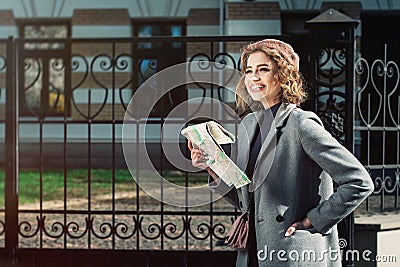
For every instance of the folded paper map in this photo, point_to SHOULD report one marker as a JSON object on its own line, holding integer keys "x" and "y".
{"x": 208, "y": 136}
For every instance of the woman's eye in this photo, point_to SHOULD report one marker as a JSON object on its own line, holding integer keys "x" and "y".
{"x": 264, "y": 69}
{"x": 248, "y": 71}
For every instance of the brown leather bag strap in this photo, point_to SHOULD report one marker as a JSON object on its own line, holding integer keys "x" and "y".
{"x": 251, "y": 196}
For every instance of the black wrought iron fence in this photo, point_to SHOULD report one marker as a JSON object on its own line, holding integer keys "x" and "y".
{"x": 377, "y": 128}
{"x": 66, "y": 109}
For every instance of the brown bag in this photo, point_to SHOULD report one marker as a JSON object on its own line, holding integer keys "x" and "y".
{"x": 239, "y": 233}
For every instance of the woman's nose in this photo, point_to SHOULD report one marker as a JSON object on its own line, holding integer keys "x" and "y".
{"x": 255, "y": 76}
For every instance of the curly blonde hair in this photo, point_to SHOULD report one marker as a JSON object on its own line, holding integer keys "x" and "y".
{"x": 291, "y": 81}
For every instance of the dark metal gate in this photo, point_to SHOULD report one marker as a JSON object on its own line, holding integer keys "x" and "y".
{"x": 69, "y": 135}
{"x": 73, "y": 99}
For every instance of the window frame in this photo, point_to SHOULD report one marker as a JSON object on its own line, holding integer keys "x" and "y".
{"x": 46, "y": 55}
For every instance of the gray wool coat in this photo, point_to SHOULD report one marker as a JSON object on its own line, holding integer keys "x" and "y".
{"x": 293, "y": 175}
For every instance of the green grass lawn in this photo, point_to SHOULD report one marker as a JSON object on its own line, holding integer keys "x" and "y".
{"x": 54, "y": 182}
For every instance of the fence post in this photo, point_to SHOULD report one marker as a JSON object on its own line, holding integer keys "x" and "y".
{"x": 332, "y": 59}
{"x": 11, "y": 150}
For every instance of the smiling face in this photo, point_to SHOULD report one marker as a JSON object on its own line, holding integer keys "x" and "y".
{"x": 261, "y": 79}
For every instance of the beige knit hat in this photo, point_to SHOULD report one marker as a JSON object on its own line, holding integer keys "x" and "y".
{"x": 283, "y": 48}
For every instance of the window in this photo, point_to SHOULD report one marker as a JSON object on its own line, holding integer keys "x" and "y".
{"x": 43, "y": 85}
{"x": 154, "y": 56}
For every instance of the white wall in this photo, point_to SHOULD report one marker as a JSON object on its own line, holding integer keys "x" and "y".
{"x": 388, "y": 245}
{"x": 200, "y": 30}
{"x": 118, "y": 31}
{"x": 252, "y": 27}
{"x": 6, "y": 31}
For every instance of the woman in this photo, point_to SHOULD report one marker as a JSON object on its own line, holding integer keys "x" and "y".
{"x": 293, "y": 207}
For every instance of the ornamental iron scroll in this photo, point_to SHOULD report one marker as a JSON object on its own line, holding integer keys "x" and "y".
{"x": 331, "y": 98}
{"x": 3, "y": 70}
{"x": 378, "y": 81}
{"x": 377, "y": 123}
{"x": 142, "y": 231}
{"x": 203, "y": 62}
{"x": 3, "y": 64}
{"x": 98, "y": 78}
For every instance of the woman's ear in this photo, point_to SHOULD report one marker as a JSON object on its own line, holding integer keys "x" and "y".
{"x": 276, "y": 78}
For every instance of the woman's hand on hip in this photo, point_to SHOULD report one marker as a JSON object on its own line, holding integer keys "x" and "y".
{"x": 302, "y": 225}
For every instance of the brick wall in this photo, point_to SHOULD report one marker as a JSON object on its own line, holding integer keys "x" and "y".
{"x": 235, "y": 47}
{"x": 203, "y": 16}
{"x": 253, "y": 10}
{"x": 7, "y": 17}
{"x": 2, "y": 80}
{"x": 195, "y": 48}
{"x": 105, "y": 78}
{"x": 93, "y": 49}
{"x": 2, "y": 111}
{"x": 101, "y": 17}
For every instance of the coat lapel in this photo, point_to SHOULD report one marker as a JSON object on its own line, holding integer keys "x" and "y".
{"x": 267, "y": 152}
{"x": 265, "y": 158}
{"x": 246, "y": 132}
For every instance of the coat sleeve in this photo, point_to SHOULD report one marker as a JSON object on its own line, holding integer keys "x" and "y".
{"x": 354, "y": 182}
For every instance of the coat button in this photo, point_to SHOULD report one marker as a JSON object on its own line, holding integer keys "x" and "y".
{"x": 279, "y": 218}
{"x": 241, "y": 204}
